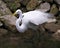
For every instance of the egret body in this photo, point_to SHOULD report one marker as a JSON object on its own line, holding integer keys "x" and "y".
{"x": 35, "y": 17}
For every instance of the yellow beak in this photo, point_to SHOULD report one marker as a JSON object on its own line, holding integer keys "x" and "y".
{"x": 14, "y": 14}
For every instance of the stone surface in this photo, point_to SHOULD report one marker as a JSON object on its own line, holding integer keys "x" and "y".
{"x": 54, "y": 9}
{"x": 58, "y": 22}
{"x": 52, "y": 27}
{"x": 44, "y": 6}
{"x": 3, "y": 31}
{"x": 1, "y": 24}
{"x": 32, "y": 4}
{"x": 56, "y": 35}
{"x": 48, "y": 0}
{"x": 58, "y": 1}
{"x": 3, "y": 9}
{"x": 24, "y": 2}
{"x": 59, "y": 8}
{"x": 9, "y": 22}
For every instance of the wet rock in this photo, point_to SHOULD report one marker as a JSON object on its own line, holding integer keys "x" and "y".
{"x": 3, "y": 31}
{"x": 54, "y": 10}
{"x": 58, "y": 1}
{"x": 52, "y": 27}
{"x": 9, "y": 22}
{"x": 44, "y": 6}
{"x": 3, "y": 9}
{"x": 1, "y": 24}
{"x": 32, "y": 4}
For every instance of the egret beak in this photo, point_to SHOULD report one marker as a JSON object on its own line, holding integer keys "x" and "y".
{"x": 14, "y": 14}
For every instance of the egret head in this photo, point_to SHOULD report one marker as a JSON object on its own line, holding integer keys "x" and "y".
{"x": 18, "y": 12}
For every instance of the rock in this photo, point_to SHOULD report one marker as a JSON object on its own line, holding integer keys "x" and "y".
{"x": 58, "y": 22}
{"x": 58, "y": 30}
{"x": 13, "y": 4}
{"x": 32, "y": 4}
{"x": 59, "y": 8}
{"x": 3, "y": 9}
{"x": 24, "y": 2}
{"x": 1, "y": 24}
{"x": 3, "y": 31}
{"x": 44, "y": 7}
{"x": 54, "y": 10}
{"x": 48, "y": 0}
{"x": 23, "y": 9}
{"x": 56, "y": 35}
{"x": 58, "y": 18}
{"x": 58, "y": 1}
{"x": 52, "y": 27}
{"x": 9, "y": 22}
{"x": 42, "y": 10}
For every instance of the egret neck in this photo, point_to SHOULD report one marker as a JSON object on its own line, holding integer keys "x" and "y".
{"x": 22, "y": 27}
{"x": 20, "y": 15}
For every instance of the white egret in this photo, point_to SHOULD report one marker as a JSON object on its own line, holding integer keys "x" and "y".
{"x": 35, "y": 17}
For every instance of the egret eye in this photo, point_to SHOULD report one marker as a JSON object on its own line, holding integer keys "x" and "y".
{"x": 17, "y": 15}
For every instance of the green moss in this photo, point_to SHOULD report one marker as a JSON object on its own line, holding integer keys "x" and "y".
{"x": 12, "y": 4}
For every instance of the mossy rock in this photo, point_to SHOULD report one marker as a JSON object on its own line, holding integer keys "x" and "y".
{"x": 54, "y": 10}
{"x": 12, "y": 4}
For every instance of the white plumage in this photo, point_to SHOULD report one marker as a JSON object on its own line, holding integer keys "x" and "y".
{"x": 35, "y": 17}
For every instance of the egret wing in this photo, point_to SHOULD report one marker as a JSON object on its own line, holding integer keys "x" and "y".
{"x": 41, "y": 18}
{"x": 37, "y": 17}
